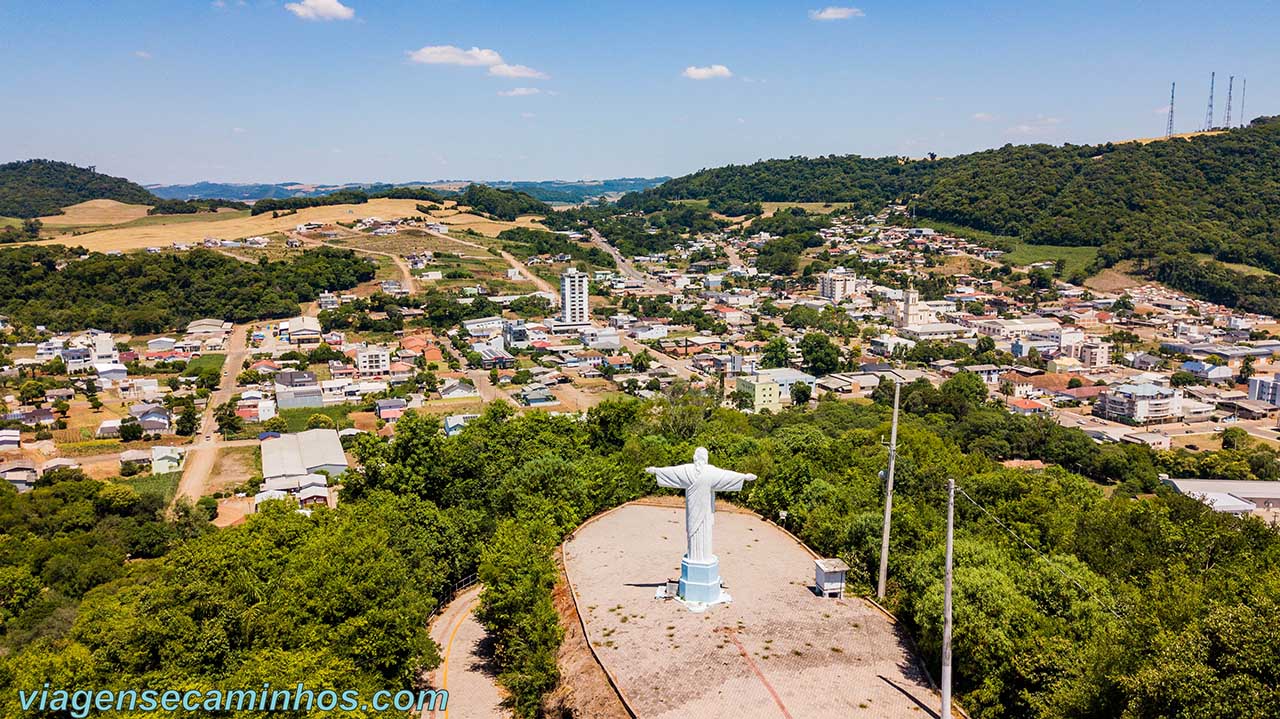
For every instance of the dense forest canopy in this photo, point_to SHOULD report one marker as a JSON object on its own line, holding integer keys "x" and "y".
{"x": 502, "y": 204}
{"x": 1076, "y": 604}
{"x": 33, "y": 188}
{"x": 1168, "y": 204}
{"x": 136, "y": 293}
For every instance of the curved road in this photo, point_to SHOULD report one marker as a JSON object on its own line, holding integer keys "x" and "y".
{"x": 464, "y": 669}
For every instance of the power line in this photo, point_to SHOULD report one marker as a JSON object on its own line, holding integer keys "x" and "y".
{"x": 1042, "y": 555}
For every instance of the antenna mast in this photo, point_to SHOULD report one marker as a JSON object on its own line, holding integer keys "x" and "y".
{"x": 1244, "y": 85}
{"x": 1168, "y": 130}
{"x": 1208, "y": 116}
{"x": 1231, "y": 81}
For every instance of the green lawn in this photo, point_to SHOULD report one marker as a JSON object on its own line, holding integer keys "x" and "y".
{"x": 1023, "y": 253}
{"x": 1244, "y": 269}
{"x": 1077, "y": 258}
{"x": 164, "y": 485}
{"x": 10, "y": 222}
{"x": 297, "y": 418}
{"x": 213, "y": 360}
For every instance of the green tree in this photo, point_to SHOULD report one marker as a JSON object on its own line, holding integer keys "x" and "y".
{"x": 130, "y": 430}
{"x": 320, "y": 421}
{"x": 776, "y": 353}
{"x": 276, "y": 424}
{"x": 800, "y": 394}
{"x": 188, "y": 421}
{"x": 228, "y": 421}
{"x": 820, "y": 354}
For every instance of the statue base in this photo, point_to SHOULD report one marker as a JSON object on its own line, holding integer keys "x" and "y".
{"x": 700, "y": 584}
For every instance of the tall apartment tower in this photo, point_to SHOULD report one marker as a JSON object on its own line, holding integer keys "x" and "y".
{"x": 574, "y": 307}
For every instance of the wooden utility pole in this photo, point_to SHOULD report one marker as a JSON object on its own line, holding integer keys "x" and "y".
{"x": 946, "y": 600}
{"x": 888, "y": 494}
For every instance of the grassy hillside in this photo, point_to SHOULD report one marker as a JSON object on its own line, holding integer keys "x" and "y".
{"x": 35, "y": 188}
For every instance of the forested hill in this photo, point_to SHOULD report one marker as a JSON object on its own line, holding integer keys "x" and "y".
{"x": 32, "y": 188}
{"x": 1161, "y": 202}
{"x": 1216, "y": 187}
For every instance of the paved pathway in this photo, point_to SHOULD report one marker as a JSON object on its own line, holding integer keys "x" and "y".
{"x": 464, "y": 669}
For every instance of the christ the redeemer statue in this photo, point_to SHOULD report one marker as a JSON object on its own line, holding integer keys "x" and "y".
{"x": 700, "y": 568}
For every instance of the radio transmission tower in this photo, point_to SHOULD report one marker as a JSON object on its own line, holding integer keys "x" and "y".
{"x": 1231, "y": 81}
{"x": 1244, "y": 85}
{"x": 1208, "y": 115}
{"x": 1168, "y": 129}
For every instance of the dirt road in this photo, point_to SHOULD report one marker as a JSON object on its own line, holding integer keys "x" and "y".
{"x": 511, "y": 261}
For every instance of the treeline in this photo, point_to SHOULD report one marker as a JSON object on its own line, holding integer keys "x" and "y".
{"x": 142, "y": 294}
{"x": 336, "y": 601}
{"x": 190, "y": 207}
{"x": 526, "y": 241}
{"x": 33, "y": 188}
{"x": 868, "y": 183}
{"x": 501, "y": 204}
{"x": 286, "y": 204}
{"x": 639, "y": 223}
{"x": 425, "y": 194}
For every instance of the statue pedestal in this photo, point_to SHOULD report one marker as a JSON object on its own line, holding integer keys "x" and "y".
{"x": 700, "y": 584}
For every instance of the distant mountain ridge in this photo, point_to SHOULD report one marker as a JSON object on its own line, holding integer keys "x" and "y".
{"x": 33, "y": 188}
{"x": 560, "y": 191}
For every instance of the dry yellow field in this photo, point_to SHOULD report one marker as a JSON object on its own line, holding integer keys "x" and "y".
{"x": 487, "y": 227}
{"x": 96, "y": 212}
{"x": 132, "y": 238}
{"x": 1179, "y": 136}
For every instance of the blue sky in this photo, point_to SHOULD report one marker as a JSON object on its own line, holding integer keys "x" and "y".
{"x": 396, "y": 90}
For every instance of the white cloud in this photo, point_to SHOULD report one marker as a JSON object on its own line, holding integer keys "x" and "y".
{"x": 983, "y": 116}
{"x": 835, "y": 13}
{"x": 519, "y": 92}
{"x": 1039, "y": 126}
{"x": 320, "y": 10}
{"x": 142, "y": 54}
{"x": 451, "y": 55}
{"x": 475, "y": 57}
{"x": 709, "y": 72}
{"x": 519, "y": 71}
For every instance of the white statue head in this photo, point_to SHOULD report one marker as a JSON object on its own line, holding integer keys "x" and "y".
{"x": 700, "y": 456}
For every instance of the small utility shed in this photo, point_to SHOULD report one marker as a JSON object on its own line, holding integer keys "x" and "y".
{"x": 829, "y": 577}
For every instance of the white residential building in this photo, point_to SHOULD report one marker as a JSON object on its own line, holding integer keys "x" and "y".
{"x": 1140, "y": 404}
{"x": 839, "y": 284}
{"x": 373, "y": 360}
{"x": 1095, "y": 354}
{"x": 575, "y": 308}
{"x": 1265, "y": 388}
